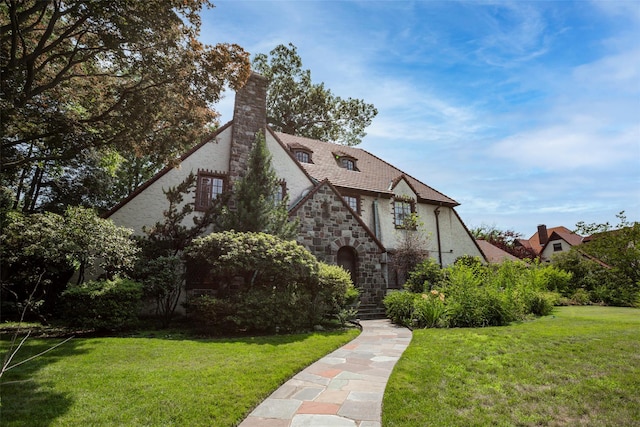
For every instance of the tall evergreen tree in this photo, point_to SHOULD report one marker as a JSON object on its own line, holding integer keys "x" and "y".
{"x": 255, "y": 201}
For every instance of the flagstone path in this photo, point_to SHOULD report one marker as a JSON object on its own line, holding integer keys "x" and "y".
{"x": 343, "y": 389}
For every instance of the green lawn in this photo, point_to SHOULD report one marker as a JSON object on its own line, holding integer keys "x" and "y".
{"x": 154, "y": 381}
{"x": 577, "y": 367}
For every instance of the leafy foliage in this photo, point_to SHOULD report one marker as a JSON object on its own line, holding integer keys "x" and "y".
{"x": 161, "y": 268}
{"x": 40, "y": 253}
{"x": 469, "y": 294}
{"x": 337, "y": 296}
{"x": 256, "y": 208}
{"x": 507, "y": 240}
{"x": 618, "y": 246}
{"x": 103, "y": 304}
{"x": 109, "y": 77}
{"x": 297, "y": 106}
{"x": 267, "y": 284}
{"x": 424, "y": 277}
{"x": 591, "y": 282}
{"x": 412, "y": 246}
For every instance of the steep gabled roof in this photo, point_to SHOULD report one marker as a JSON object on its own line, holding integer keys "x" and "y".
{"x": 354, "y": 214}
{"x": 494, "y": 254}
{"x": 555, "y": 233}
{"x": 373, "y": 175}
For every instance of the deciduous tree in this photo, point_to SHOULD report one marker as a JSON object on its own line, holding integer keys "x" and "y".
{"x": 123, "y": 76}
{"x": 297, "y": 106}
{"x": 503, "y": 239}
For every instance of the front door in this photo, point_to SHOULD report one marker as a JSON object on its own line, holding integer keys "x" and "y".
{"x": 347, "y": 260}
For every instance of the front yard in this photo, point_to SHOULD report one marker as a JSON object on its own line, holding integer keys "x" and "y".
{"x": 166, "y": 381}
{"x": 578, "y": 367}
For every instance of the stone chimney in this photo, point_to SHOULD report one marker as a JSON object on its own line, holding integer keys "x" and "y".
{"x": 542, "y": 234}
{"x": 249, "y": 117}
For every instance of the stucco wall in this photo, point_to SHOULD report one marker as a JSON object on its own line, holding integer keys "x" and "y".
{"x": 146, "y": 208}
{"x": 454, "y": 239}
{"x": 287, "y": 169}
{"x": 548, "y": 251}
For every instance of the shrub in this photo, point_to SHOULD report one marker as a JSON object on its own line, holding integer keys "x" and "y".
{"x": 336, "y": 294}
{"x": 282, "y": 286}
{"x": 580, "y": 297}
{"x": 102, "y": 304}
{"x": 258, "y": 258}
{"x": 429, "y": 310}
{"x": 593, "y": 282}
{"x": 425, "y": 277}
{"x": 210, "y": 312}
{"x": 399, "y": 307}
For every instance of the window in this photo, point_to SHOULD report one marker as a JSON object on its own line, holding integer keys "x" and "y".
{"x": 557, "y": 247}
{"x": 402, "y": 209}
{"x": 281, "y": 191}
{"x": 303, "y": 156}
{"x": 348, "y": 164}
{"x": 353, "y": 202}
{"x": 208, "y": 189}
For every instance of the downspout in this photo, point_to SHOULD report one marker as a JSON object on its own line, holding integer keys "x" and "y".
{"x": 376, "y": 219}
{"x": 437, "y": 213}
{"x": 377, "y": 231}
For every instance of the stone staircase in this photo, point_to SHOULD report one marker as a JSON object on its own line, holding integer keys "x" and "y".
{"x": 370, "y": 312}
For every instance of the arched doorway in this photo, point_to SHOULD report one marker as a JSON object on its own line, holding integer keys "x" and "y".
{"x": 347, "y": 259}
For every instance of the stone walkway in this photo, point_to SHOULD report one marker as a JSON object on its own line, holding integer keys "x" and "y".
{"x": 343, "y": 389}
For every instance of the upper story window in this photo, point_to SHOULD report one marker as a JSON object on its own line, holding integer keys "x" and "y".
{"x": 348, "y": 164}
{"x": 209, "y": 188}
{"x": 557, "y": 247}
{"x": 281, "y": 191}
{"x": 402, "y": 210}
{"x": 345, "y": 161}
{"x": 303, "y": 156}
{"x": 353, "y": 202}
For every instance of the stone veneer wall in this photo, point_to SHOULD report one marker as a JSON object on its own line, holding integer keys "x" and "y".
{"x": 326, "y": 225}
{"x": 249, "y": 117}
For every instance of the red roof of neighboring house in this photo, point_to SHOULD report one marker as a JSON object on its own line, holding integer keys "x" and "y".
{"x": 494, "y": 254}
{"x": 373, "y": 174}
{"x": 554, "y": 233}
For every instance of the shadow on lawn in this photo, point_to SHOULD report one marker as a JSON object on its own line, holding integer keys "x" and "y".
{"x": 26, "y": 401}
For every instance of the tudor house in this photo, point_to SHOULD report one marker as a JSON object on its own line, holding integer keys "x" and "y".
{"x": 351, "y": 204}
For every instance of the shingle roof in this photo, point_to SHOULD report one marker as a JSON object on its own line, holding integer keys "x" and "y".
{"x": 563, "y": 232}
{"x": 494, "y": 254}
{"x": 373, "y": 174}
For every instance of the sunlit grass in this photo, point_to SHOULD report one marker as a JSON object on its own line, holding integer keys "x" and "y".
{"x": 154, "y": 381}
{"x": 579, "y": 366}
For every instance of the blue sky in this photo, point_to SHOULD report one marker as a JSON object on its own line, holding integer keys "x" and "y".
{"x": 526, "y": 113}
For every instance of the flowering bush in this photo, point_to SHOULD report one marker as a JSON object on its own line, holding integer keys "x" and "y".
{"x": 429, "y": 310}
{"x": 477, "y": 295}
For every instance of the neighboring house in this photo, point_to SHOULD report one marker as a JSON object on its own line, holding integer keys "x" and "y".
{"x": 547, "y": 242}
{"x": 350, "y": 203}
{"x": 493, "y": 254}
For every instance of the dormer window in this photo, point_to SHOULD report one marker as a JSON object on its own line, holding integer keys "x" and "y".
{"x": 348, "y": 164}
{"x": 346, "y": 161}
{"x": 303, "y": 156}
